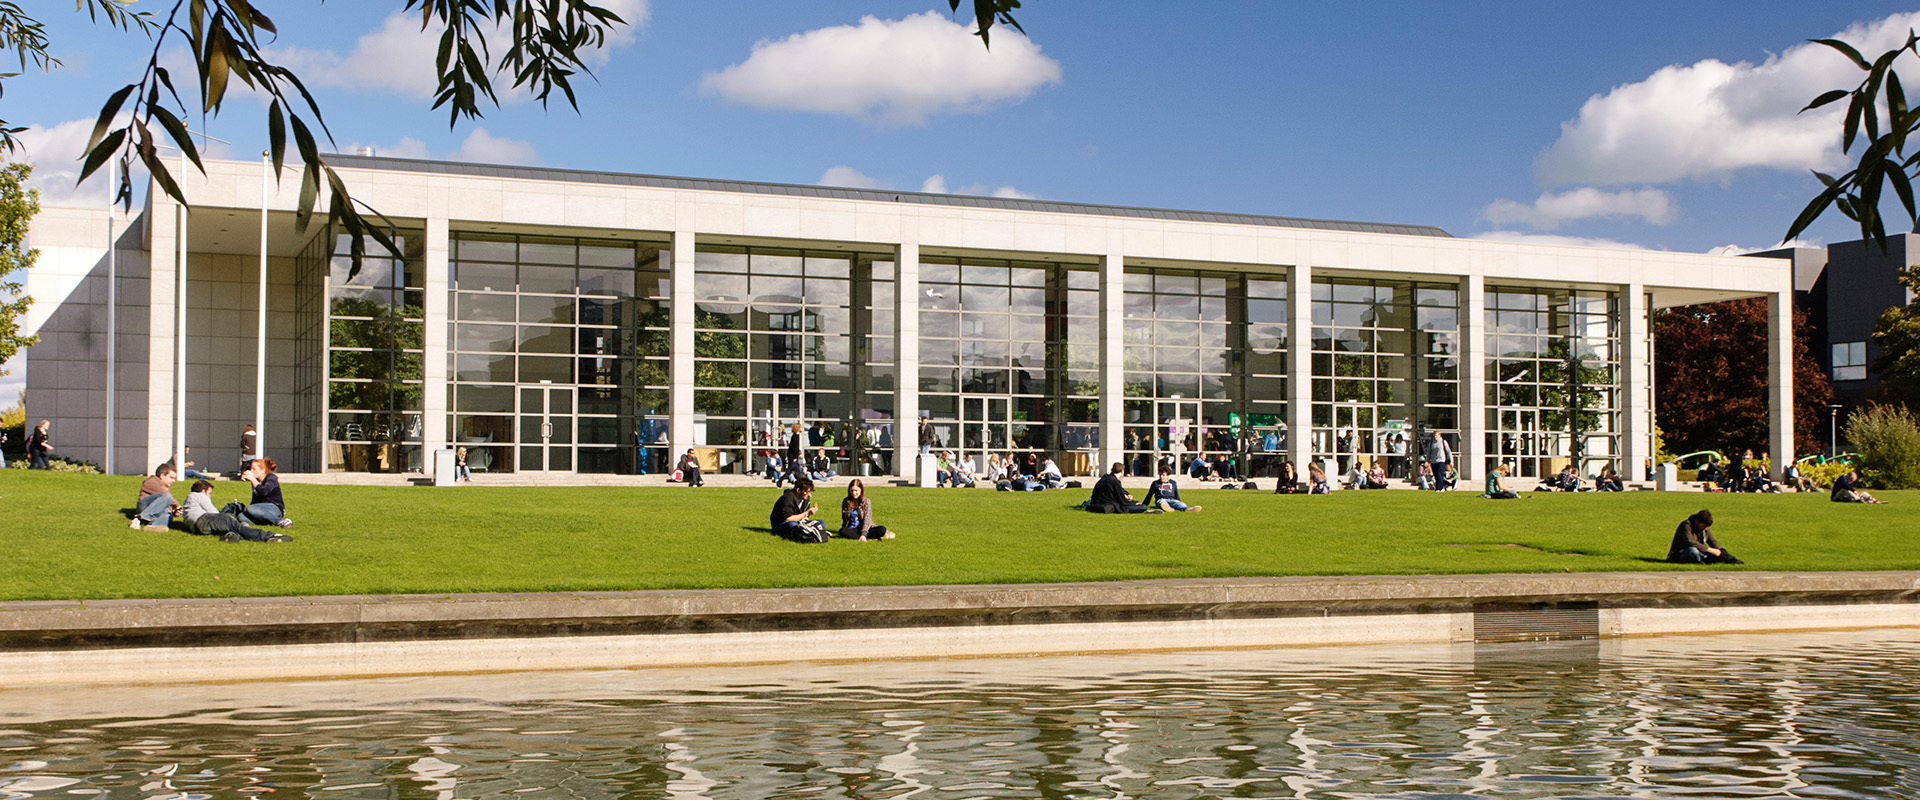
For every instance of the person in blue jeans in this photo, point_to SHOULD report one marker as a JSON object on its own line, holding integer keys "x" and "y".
{"x": 267, "y": 506}
{"x": 156, "y": 506}
{"x": 1166, "y": 494}
{"x": 793, "y": 508}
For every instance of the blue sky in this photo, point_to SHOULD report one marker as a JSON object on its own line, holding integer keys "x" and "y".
{"x": 1661, "y": 125}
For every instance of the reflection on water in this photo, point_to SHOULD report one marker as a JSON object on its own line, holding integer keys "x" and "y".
{"x": 1830, "y": 715}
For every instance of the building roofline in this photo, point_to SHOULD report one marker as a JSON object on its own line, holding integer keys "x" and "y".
{"x": 872, "y": 195}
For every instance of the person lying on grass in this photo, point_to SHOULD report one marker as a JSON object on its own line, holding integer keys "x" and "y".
{"x": 204, "y": 520}
{"x": 1693, "y": 543}
{"x": 1165, "y": 494}
{"x": 1109, "y": 497}
{"x": 155, "y": 508}
{"x": 856, "y": 515}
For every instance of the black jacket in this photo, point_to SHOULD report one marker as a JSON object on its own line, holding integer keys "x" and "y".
{"x": 1109, "y": 495}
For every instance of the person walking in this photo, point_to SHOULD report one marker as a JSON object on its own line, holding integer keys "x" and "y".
{"x": 1439, "y": 455}
{"x": 249, "y": 447}
{"x": 39, "y": 446}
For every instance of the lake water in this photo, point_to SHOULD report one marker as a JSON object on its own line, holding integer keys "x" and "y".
{"x": 1804, "y": 715}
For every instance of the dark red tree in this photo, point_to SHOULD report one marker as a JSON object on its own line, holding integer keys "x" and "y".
{"x": 1710, "y": 379}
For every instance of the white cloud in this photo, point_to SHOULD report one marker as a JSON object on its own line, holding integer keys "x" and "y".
{"x": 937, "y": 184}
{"x": 1709, "y": 119}
{"x": 1740, "y": 250}
{"x": 398, "y": 57}
{"x": 479, "y": 147}
{"x": 850, "y": 178}
{"x": 1550, "y": 209}
{"x": 55, "y": 153}
{"x": 887, "y": 71}
{"x": 1522, "y": 237}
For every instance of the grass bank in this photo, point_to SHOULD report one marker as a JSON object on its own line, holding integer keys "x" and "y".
{"x": 65, "y": 537}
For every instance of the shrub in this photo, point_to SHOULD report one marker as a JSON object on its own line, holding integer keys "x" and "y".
{"x": 1888, "y": 439}
{"x": 58, "y": 464}
{"x": 1823, "y": 475}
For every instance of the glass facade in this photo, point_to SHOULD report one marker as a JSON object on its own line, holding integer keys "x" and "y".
{"x": 1206, "y": 369}
{"x": 375, "y": 345}
{"x": 1552, "y": 380}
{"x": 1009, "y": 357}
{"x": 792, "y": 337}
{"x": 1386, "y": 370}
{"x": 558, "y": 353}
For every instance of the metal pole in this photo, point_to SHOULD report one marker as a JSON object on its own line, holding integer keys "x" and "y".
{"x": 180, "y": 337}
{"x": 113, "y": 310}
{"x": 260, "y": 332}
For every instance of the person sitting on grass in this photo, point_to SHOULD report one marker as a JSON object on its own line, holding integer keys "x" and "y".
{"x": 856, "y": 515}
{"x": 1712, "y": 478}
{"x": 1846, "y": 489}
{"x": 204, "y": 520}
{"x": 1609, "y": 481}
{"x": 1424, "y": 478}
{"x": 1317, "y": 479}
{"x": 155, "y": 508}
{"x": 793, "y": 508}
{"x": 943, "y": 469}
{"x": 1199, "y": 469}
{"x": 1496, "y": 488}
{"x": 1109, "y": 497}
{"x": 1376, "y": 477}
{"x": 1289, "y": 480}
{"x": 267, "y": 506}
{"x": 820, "y": 468}
{"x": 1798, "y": 479}
{"x": 1693, "y": 543}
{"x": 962, "y": 472}
{"x": 996, "y": 471}
{"x": 1050, "y": 474}
{"x": 1165, "y": 494}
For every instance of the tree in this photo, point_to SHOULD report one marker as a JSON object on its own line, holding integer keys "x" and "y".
{"x": 1710, "y": 378}
{"x": 546, "y": 42}
{"x": 17, "y": 207}
{"x": 1897, "y": 333}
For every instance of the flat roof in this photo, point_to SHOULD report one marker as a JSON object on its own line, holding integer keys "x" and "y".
{"x": 875, "y": 195}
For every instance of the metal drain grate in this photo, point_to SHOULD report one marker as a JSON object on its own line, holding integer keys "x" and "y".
{"x": 1536, "y": 622}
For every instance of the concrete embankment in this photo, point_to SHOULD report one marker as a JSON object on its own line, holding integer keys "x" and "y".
{"x": 145, "y": 641}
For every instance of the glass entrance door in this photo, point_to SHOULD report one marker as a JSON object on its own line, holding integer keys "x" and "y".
{"x": 985, "y": 424}
{"x": 773, "y": 415}
{"x": 1355, "y": 426}
{"x": 1178, "y": 431}
{"x": 546, "y": 428}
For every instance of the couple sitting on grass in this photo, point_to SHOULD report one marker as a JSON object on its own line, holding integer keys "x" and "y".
{"x": 1109, "y": 497}
{"x": 795, "y": 509}
{"x": 156, "y": 508}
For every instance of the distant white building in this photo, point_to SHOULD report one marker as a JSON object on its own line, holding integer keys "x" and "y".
{"x": 565, "y": 321}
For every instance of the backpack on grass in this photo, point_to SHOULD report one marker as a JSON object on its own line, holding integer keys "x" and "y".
{"x": 811, "y": 531}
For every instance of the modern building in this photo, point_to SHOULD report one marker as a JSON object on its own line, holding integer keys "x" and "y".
{"x": 1844, "y": 289}
{"x": 566, "y": 321}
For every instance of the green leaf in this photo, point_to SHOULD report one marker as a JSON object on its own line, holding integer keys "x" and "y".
{"x": 107, "y": 113}
{"x": 214, "y": 66}
{"x": 101, "y": 151}
{"x": 1845, "y": 50}
{"x": 276, "y": 136}
{"x": 1825, "y": 99}
{"x": 177, "y": 132}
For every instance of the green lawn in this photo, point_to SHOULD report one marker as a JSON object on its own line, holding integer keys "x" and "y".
{"x": 65, "y": 537}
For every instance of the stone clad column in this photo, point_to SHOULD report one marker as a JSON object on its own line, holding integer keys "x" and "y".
{"x": 1780, "y": 377}
{"x": 1300, "y": 368}
{"x": 1472, "y": 454}
{"x": 680, "y": 348}
{"x": 434, "y": 420}
{"x": 906, "y": 366}
{"x": 1635, "y": 383}
{"x": 1113, "y": 367}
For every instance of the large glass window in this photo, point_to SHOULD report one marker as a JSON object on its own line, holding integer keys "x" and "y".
{"x": 1206, "y": 370}
{"x": 1386, "y": 370}
{"x": 792, "y": 337}
{"x": 375, "y": 345}
{"x": 1850, "y": 361}
{"x": 1552, "y": 379}
{"x": 1009, "y": 358}
{"x": 558, "y": 354}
